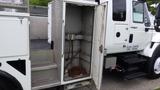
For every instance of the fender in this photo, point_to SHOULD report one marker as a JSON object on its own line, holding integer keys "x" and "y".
{"x": 156, "y": 37}
{"x": 149, "y": 50}
{"x": 151, "y": 47}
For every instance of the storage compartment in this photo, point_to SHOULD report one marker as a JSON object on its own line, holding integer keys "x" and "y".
{"x": 41, "y": 53}
{"x": 44, "y": 67}
{"x": 79, "y": 21}
{"x": 44, "y": 79}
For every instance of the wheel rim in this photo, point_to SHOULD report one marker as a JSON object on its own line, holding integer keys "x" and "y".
{"x": 157, "y": 66}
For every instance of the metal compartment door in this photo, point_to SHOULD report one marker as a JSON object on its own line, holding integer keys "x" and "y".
{"x": 13, "y": 36}
{"x": 98, "y": 44}
{"x": 57, "y": 33}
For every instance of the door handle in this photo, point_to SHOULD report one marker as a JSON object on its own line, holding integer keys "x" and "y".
{"x": 52, "y": 45}
{"x": 130, "y": 38}
{"x": 134, "y": 27}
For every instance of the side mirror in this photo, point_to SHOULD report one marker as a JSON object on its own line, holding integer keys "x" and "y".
{"x": 157, "y": 25}
{"x": 157, "y": 19}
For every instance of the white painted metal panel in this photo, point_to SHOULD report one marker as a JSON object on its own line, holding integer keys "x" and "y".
{"x": 13, "y": 36}
{"x": 24, "y": 80}
{"x": 98, "y": 44}
{"x": 82, "y": 2}
{"x": 121, "y": 41}
{"x": 49, "y": 22}
{"x": 156, "y": 37}
{"x": 102, "y": 1}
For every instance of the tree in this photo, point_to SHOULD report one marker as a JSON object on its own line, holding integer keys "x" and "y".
{"x": 151, "y": 2}
{"x": 39, "y": 2}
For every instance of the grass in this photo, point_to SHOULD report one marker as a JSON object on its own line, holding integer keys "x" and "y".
{"x": 157, "y": 89}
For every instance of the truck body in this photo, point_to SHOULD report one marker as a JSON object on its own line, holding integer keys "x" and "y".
{"x": 15, "y": 65}
{"x": 117, "y": 34}
{"x": 83, "y": 36}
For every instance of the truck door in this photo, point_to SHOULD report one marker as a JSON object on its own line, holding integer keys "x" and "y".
{"x": 139, "y": 37}
{"x": 120, "y": 25}
{"x": 98, "y": 44}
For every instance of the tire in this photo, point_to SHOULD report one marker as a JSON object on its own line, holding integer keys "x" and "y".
{"x": 154, "y": 64}
{"x": 8, "y": 82}
{"x": 7, "y": 85}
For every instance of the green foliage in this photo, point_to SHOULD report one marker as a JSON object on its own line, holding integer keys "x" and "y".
{"x": 39, "y": 2}
{"x": 157, "y": 89}
{"x": 45, "y": 3}
{"x": 152, "y": 9}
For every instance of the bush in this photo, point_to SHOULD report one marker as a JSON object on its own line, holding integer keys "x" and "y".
{"x": 39, "y": 2}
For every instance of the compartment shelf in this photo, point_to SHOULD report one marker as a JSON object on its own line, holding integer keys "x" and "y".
{"x": 45, "y": 79}
{"x": 42, "y": 58}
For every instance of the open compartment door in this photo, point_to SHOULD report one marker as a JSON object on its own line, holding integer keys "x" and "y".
{"x": 98, "y": 44}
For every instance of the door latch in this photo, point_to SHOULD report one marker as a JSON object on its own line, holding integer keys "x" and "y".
{"x": 130, "y": 38}
{"x": 134, "y": 27}
{"x": 101, "y": 48}
{"x": 21, "y": 19}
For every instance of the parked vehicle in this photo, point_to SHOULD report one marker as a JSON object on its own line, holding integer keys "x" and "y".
{"x": 15, "y": 70}
{"x": 115, "y": 32}
{"x": 83, "y": 36}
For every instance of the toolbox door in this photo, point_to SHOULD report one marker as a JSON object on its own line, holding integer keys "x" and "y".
{"x": 98, "y": 44}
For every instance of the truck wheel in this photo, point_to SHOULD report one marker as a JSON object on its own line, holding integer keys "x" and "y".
{"x": 5, "y": 84}
{"x": 8, "y": 82}
{"x": 154, "y": 64}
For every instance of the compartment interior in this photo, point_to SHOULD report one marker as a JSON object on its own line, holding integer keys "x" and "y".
{"x": 41, "y": 52}
{"x": 43, "y": 64}
{"x": 78, "y": 41}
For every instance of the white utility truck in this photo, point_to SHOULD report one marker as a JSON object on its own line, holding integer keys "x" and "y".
{"x": 84, "y": 34}
{"x": 15, "y": 68}
{"x": 87, "y": 35}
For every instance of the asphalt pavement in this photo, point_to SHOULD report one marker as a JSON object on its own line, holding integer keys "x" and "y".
{"x": 113, "y": 82}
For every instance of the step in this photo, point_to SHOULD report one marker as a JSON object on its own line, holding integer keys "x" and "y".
{"x": 135, "y": 75}
{"x": 132, "y": 69}
{"x": 78, "y": 86}
{"x": 39, "y": 44}
{"x": 45, "y": 79}
{"x": 44, "y": 67}
{"x": 134, "y": 60}
{"x": 42, "y": 59}
{"x": 41, "y": 56}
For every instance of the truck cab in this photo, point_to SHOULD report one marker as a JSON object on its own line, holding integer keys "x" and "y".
{"x": 131, "y": 45}
{"x": 126, "y": 27}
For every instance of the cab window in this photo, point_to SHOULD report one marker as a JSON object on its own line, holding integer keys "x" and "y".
{"x": 138, "y": 12}
{"x": 119, "y": 10}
